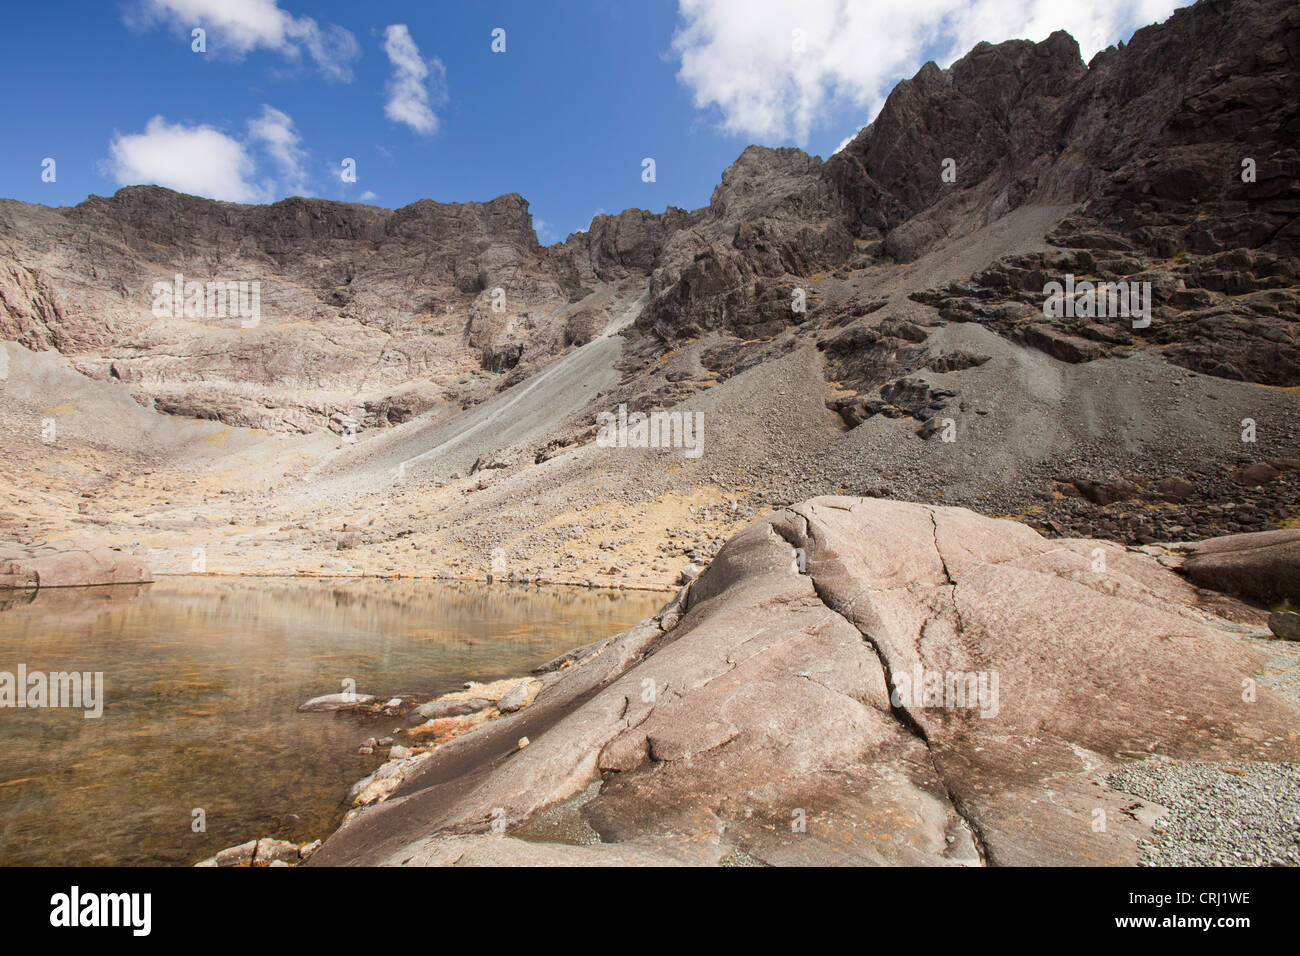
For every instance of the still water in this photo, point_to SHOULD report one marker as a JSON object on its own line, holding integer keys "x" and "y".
{"x": 202, "y": 680}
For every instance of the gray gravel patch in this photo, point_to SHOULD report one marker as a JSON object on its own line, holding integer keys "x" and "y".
{"x": 1281, "y": 672}
{"x": 1220, "y": 814}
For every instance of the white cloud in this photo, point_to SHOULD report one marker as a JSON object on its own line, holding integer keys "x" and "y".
{"x": 408, "y": 92}
{"x": 368, "y": 195}
{"x": 191, "y": 159}
{"x": 740, "y": 56}
{"x": 848, "y": 139}
{"x": 592, "y": 221}
{"x": 546, "y": 233}
{"x": 236, "y": 27}
{"x": 204, "y": 161}
{"x": 275, "y": 131}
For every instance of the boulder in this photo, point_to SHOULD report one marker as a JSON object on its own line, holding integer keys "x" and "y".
{"x": 437, "y": 709}
{"x": 75, "y": 562}
{"x": 270, "y": 851}
{"x": 335, "y": 702}
{"x": 518, "y": 697}
{"x": 1175, "y": 489}
{"x": 1260, "y": 473}
{"x": 234, "y": 855}
{"x": 1106, "y": 493}
{"x": 1263, "y": 566}
{"x": 489, "y": 462}
{"x": 1285, "y": 624}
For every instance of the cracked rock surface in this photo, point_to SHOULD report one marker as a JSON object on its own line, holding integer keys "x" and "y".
{"x": 780, "y": 717}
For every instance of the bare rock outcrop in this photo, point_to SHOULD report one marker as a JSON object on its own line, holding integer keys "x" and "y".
{"x": 71, "y": 563}
{"x": 1263, "y": 566}
{"x": 853, "y": 681}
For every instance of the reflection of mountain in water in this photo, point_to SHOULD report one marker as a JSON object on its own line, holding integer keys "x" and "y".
{"x": 203, "y": 677}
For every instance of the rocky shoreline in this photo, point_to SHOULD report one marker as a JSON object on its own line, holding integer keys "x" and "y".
{"x": 432, "y": 722}
{"x": 1190, "y": 811}
{"x": 539, "y": 581}
{"x": 575, "y": 764}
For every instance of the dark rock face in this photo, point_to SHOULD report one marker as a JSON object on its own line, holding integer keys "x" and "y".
{"x": 1247, "y": 335}
{"x": 617, "y": 247}
{"x": 1149, "y": 139}
{"x": 1156, "y": 139}
{"x": 868, "y": 356}
{"x": 996, "y": 113}
{"x": 770, "y": 219}
{"x": 1264, "y": 566}
{"x": 907, "y": 397}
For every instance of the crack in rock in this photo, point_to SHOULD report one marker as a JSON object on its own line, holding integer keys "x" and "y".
{"x": 900, "y": 712}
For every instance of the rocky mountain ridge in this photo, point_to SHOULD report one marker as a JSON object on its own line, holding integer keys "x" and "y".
{"x": 1149, "y": 139}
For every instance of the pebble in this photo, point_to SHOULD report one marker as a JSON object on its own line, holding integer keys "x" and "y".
{"x": 1220, "y": 814}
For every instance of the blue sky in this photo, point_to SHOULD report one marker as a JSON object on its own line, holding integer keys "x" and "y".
{"x": 413, "y": 92}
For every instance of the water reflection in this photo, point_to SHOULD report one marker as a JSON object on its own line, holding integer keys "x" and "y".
{"x": 203, "y": 678}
